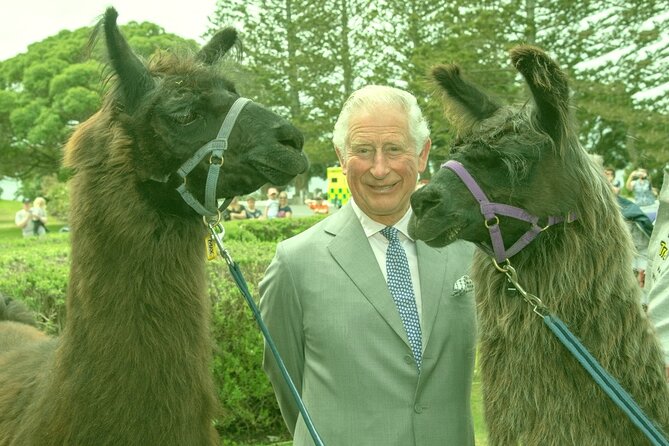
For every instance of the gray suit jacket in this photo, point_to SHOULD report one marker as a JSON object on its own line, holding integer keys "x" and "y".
{"x": 330, "y": 313}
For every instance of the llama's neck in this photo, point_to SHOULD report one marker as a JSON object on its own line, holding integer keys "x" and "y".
{"x": 136, "y": 348}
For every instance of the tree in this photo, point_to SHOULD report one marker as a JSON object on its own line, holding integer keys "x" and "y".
{"x": 615, "y": 52}
{"x": 51, "y": 88}
{"x": 314, "y": 54}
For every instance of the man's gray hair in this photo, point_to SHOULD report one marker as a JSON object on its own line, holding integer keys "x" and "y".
{"x": 379, "y": 95}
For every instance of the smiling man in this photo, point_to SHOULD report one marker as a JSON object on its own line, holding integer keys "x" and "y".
{"x": 377, "y": 331}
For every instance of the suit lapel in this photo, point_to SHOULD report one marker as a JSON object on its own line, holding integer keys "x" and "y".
{"x": 432, "y": 270}
{"x": 350, "y": 249}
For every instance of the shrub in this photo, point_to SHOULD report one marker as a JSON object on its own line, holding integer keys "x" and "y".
{"x": 273, "y": 230}
{"x": 35, "y": 271}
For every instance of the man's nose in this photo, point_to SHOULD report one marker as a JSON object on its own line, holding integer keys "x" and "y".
{"x": 380, "y": 166}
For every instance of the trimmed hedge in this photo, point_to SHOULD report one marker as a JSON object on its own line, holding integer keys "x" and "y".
{"x": 36, "y": 270}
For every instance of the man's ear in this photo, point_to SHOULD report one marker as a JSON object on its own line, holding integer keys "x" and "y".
{"x": 342, "y": 160}
{"x": 423, "y": 155}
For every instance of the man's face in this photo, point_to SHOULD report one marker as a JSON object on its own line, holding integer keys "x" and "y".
{"x": 382, "y": 166}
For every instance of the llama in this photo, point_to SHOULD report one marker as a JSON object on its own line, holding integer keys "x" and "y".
{"x": 132, "y": 366}
{"x": 534, "y": 391}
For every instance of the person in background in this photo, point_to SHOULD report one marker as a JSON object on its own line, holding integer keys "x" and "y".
{"x": 39, "y": 216}
{"x": 285, "y": 210}
{"x": 639, "y": 224}
{"x": 24, "y": 219}
{"x": 234, "y": 211}
{"x": 272, "y": 206}
{"x": 610, "y": 174}
{"x": 639, "y": 184}
{"x": 318, "y": 205}
{"x": 657, "y": 276}
{"x": 251, "y": 210}
{"x": 377, "y": 331}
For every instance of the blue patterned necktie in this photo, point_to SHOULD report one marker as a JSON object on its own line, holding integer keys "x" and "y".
{"x": 401, "y": 288}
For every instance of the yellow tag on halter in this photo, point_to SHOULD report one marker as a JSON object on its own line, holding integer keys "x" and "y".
{"x": 210, "y": 246}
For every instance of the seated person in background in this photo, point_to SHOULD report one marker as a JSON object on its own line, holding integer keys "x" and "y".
{"x": 234, "y": 211}
{"x": 251, "y": 210}
{"x": 272, "y": 206}
{"x": 285, "y": 210}
{"x": 610, "y": 174}
{"x": 319, "y": 206}
{"x": 639, "y": 184}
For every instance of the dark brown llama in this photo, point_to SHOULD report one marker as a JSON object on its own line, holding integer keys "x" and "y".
{"x": 132, "y": 366}
{"x": 535, "y": 392}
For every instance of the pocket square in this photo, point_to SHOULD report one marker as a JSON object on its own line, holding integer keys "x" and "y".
{"x": 463, "y": 285}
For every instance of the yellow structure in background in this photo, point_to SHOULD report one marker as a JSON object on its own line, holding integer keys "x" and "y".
{"x": 338, "y": 193}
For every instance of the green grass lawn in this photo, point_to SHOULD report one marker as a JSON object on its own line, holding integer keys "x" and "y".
{"x": 8, "y": 229}
{"x": 477, "y": 412}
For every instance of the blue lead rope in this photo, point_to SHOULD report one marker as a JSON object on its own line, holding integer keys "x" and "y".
{"x": 241, "y": 284}
{"x": 607, "y": 382}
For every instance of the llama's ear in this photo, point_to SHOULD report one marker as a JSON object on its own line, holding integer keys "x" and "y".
{"x": 549, "y": 88}
{"x": 464, "y": 103}
{"x": 134, "y": 78}
{"x": 218, "y": 46}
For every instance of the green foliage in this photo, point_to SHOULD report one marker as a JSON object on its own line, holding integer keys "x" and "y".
{"x": 249, "y": 408}
{"x": 57, "y": 196}
{"x": 36, "y": 271}
{"x": 259, "y": 230}
{"x": 52, "y": 87}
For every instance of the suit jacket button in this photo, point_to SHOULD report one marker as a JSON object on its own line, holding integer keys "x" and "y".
{"x": 409, "y": 359}
{"x": 418, "y": 408}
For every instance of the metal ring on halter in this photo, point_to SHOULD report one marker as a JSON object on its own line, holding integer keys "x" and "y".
{"x": 503, "y": 269}
{"x": 542, "y": 229}
{"x": 209, "y": 221}
{"x": 211, "y": 160}
{"x": 496, "y": 220}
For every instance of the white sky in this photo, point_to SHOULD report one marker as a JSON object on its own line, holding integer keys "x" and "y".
{"x": 23, "y": 22}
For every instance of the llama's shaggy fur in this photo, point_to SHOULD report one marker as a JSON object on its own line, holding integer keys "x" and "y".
{"x": 535, "y": 392}
{"x": 132, "y": 366}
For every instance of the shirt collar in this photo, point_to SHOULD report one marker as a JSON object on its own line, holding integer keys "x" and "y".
{"x": 372, "y": 227}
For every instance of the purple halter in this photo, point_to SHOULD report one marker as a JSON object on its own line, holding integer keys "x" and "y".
{"x": 491, "y": 210}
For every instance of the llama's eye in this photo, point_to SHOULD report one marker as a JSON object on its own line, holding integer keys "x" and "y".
{"x": 184, "y": 118}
